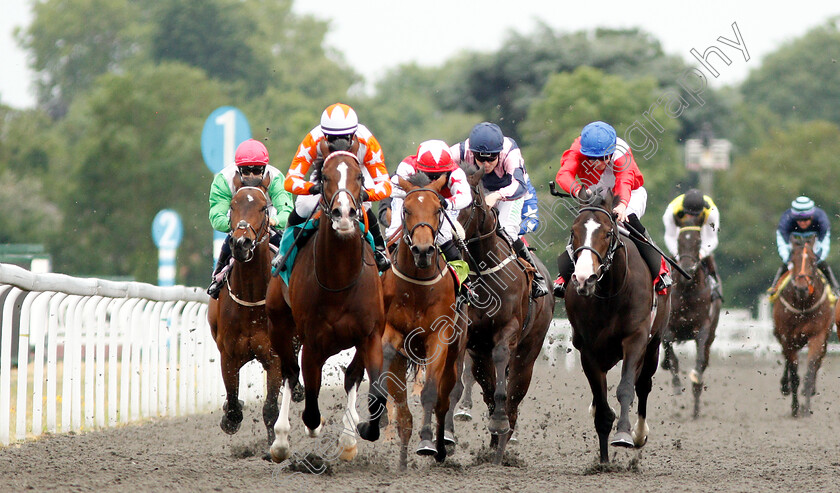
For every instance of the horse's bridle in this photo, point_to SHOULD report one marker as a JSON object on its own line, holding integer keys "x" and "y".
{"x": 264, "y": 225}
{"x": 694, "y": 258}
{"x": 605, "y": 261}
{"x": 407, "y": 237}
{"x": 478, "y": 203}
{"x": 327, "y": 206}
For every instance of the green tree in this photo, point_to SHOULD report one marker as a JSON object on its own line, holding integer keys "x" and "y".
{"x": 801, "y": 80}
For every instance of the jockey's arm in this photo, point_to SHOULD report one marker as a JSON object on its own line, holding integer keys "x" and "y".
{"x": 220, "y": 197}
{"x": 295, "y": 181}
{"x": 824, "y": 245}
{"x": 567, "y": 174}
{"x": 460, "y": 190}
{"x": 783, "y": 246}
{"x": 281, "y": 200}
{"x": 709, "y": 233}
{"x": 375, "y": 164}
{"x": 670, "y": 230}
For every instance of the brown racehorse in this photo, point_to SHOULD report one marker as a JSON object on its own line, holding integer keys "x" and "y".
{"x": 694, "y": 315}
{"x": 422, "y": 326}
{"x": 615, "y": 315}
{"x": 333, "y": 302}
{"x": 506, "y": 327}
{"x": 237, "y": 319}
{"x": 802, "y": 315}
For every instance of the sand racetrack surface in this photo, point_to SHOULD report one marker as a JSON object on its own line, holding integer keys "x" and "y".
{"x": 744, "y": 441}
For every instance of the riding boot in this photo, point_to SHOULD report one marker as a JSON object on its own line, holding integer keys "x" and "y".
{"x": 382, "y": 262}
{"x": 772, "y": 289}
{"x": 714, "y": 279}
{"x": 538, "y": 287}
{"x": 224, "y": 257}
{"x": 452, "y": 254}
{"x": 652, "y": 258}
{"x": 829, "y": 274}
{"x": 565, "y": 268}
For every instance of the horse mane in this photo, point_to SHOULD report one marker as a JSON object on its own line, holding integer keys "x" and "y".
{"x": 604, "y": 200}
{"x": 419, "y": 179}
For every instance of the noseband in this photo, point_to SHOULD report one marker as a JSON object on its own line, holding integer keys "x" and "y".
{"x": 408, "y": 238}
{"x": 327, "y": 206}
{"x": 245, "y": 225}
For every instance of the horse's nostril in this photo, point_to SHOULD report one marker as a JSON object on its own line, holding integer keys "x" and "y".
{"x": 336, "y": 213}
{"x": 415, "y": 250}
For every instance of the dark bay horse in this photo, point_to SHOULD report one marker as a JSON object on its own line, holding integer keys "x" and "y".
{"x": 506, "y": 327}
{"x": 694, "y": 315}
{"x": 615, "y": 315}
{"x": 422, "y": 325}
{"x": 333, "y": 302}
{"x": 237, "y": 319}
{"x": 802, "y": 315}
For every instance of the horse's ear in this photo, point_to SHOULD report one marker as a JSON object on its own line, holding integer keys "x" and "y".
{"x": 324, "y": 148}
{"x": 438, "y": 184}
{"x": 405, "y": 184}
{"x": 237, "y": 182}
{"x": 354, "y": 147}
{"x": 266, "y": 181}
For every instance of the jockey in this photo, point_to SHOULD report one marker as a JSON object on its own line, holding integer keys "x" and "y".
{"x": 434, "y": 160}
{"x": 504, "y": 180}
{"x": 598, "y": 157}
{"x": 530, "y": 210}
{"x": 804, "y": 217}
{"x": 693, "y": 204}
{"x": 251, "y": 161}
{"x": 338, "y": 131}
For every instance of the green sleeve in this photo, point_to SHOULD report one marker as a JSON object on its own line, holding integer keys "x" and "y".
{"x": 220, "y": 197}
{"x": 282, "y": 200}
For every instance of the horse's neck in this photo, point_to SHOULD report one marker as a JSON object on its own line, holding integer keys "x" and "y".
{"x": 250, "y": 279}
{"x": 789, "y": 291}
{"x": 334, "y": 250}
{"x": 405, "y": 262}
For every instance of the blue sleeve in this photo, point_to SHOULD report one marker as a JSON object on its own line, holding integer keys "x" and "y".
{"x": 530, "y": 210}
{"x": 823, "y": 224}
{"x": 786, "y": 225}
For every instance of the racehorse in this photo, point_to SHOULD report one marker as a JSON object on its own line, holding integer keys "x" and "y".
{"x": 333, "y": 302}
{"x": 506, "y": 327}
{"x": 802, "y": 314}
{"x": 694, "y": 315}
{"x": 237, "y": 319}
{"x": 423, "y": 326}
{"x": 615, "y": 315}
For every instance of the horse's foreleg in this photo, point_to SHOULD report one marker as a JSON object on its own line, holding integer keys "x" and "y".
{"x": 460, "y": 354}
{"x": 792, "y": 373}
{"x": 643, "y": 387}
{"x": 397, "y": 387}
{"x": 377, "y": 395}
{"x": 816, "y": 352}
{"x": 352, "y": 377}
{"x": 232, "y": 418}
{"x": 603, "y": 414}
{"x": 634, "y": 352}
{"x": 466, "y": 383}
{"x": 312, "y": 368}
{"x": 703, "y": 341}
{"x": 274, "y": 382}
{"x": 670, "y": 362}
{"x": 280, "y": 449}
{"x": 499, "y": 423}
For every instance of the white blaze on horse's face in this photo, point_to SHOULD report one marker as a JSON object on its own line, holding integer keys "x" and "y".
{"x": 344, "y": 225}
{"x": 585, "y": 263}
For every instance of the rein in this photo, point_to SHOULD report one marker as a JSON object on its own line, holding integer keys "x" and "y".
{"x": 407, "y": 239}
{"x": 605, "y": 261}
{"x": 243, "y": 224}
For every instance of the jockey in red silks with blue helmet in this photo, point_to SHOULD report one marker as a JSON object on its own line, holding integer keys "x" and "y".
{"x": 596, "y": 162}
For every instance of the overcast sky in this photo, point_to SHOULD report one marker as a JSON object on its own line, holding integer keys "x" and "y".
{"x": 376, "y": 35}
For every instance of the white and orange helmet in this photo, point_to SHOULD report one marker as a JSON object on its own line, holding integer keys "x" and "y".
{"x": 339, "y": 119}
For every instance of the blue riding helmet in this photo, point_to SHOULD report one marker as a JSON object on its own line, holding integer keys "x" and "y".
{"x": 802, "y": 207}
{"x": 597, "y": 140}
{"x": 486, "y": 138}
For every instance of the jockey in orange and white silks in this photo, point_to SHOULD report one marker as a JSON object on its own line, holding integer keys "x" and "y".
{"x": 339, "y": 129}
{"x": 504, "y": 180}
{"x": 599, "y": 160}
{"x": 433, "y": 159}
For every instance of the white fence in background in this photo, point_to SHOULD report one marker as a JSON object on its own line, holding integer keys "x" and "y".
{"x": 93, "y": 353}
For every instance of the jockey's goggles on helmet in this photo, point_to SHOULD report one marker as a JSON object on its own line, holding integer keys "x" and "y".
{"x": 333, "y": 138}
{"x": 483, "y": 157}
{"x": 251, "y": 170}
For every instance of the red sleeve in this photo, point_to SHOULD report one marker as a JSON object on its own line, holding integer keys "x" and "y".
{"x": 569, "y": 168}
{"x": 628, "y": 177}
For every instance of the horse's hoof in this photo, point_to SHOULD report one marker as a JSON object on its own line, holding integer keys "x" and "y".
{"x": 498, "y": 426}
{"x": 426, "y": 448}
{"x": 297, "y": 393}
{"x": 368, "y": 431}
{"x": 316, "y": 432}
{"x": 349, "y": 453}
{"x": 622, "y": 439}
{"x": 449, "y": 438}
{"x": 463, "y": 414}
{"x": 229, "y": 426}
{"x": 695, "y": 377}
{"x": 279, "y": 453}
{"x": 513, "y": 438}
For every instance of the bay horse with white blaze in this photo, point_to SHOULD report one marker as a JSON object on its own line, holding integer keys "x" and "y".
{"x": 237, "y": 319}
{"x": 333, "y": 302}
{"x": 802, "y": 315}
{"x": 506, "y": 326}
{"x": 694, "y": 314}
{"x": 615, "y": 315}
{"x": 423, "y": 326}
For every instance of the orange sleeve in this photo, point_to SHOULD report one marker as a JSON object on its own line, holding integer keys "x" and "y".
{"x": 375, "y": 164}
{"x": 296, "y": 181}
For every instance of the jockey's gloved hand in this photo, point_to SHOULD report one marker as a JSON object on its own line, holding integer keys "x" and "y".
{"x": 315, "y": 189}
{"x": 365, "y": 196}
